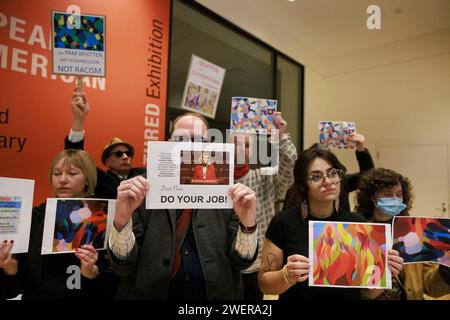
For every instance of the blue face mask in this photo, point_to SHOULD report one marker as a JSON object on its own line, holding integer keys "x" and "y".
{"x": 390, "y": 206}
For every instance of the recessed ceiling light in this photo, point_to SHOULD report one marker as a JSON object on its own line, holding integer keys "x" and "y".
{"x": 291, "y": 0}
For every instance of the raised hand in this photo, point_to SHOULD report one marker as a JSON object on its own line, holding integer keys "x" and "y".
{"x": 279, "y": 123}
{"x": 80, "y": 109}
{"x": 244, "y": 203}
{"x": 130, "y": 195}
{"x": 358, "y": 139}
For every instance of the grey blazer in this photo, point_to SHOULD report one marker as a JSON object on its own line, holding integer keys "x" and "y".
{"x": 146, "y": 273}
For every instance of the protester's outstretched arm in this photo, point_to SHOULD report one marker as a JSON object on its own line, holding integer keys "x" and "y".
{"x": 80, "y": 109}
{"x": 363, "y": 156}
{"x": 284, "y": 179}
{"x": 365, "y": 161}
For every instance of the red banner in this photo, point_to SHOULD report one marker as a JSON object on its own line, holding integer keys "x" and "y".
{"x": 35, "y": 110}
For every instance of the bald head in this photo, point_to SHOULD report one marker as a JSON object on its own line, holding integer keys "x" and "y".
{"x": 189, "y": 126}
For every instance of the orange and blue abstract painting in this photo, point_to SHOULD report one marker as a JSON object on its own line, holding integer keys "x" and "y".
{"x": 88, "y": 34}
{"x": 80, "y": 222}
{"x": 345, "y": 254}
{"x": 422, "y": 239}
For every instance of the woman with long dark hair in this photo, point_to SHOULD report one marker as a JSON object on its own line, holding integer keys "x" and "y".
{"x": 285, "y": 262}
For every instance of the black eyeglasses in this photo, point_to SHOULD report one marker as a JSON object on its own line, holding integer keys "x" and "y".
{"x": 191, "y": 139}
{"x": 335, "y": 175}
{"x": 119, "y": 154}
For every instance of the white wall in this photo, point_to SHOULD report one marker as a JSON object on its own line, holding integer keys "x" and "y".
{"x": 405, "y": 102}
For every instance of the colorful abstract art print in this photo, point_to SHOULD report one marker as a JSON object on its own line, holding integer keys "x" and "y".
{"x": 71, "y": 223}
{"x": 78, "y": 44}
{"x": 336, "y": 134}
{"x": 252, "y": 115}
{"x": 422, "y": 239}
{"x": 80, "y": 32}
{"x": 345, "y": 254}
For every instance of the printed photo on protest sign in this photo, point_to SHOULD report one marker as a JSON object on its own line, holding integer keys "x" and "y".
{"x": 186, "y": 175}
{"x": 422, "y": 239}
{"x": 71, "y": 223}
{"x": 78, "y": 44}
{"x": 348, "y": 254}
{"x": 252, "y": 115}
{"x": 16, "y": 206}
{"x": 203, "y": 85}
{"x": 336, "y": 134}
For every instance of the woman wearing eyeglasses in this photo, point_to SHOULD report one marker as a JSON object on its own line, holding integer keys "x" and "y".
{"x": 383, "y": 194}
{"x": 85, "y": 274}
{"x": 285, "y": 264}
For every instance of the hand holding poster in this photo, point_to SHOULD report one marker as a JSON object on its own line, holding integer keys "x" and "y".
{"x": 252, "y": 115}
{"x": 336, "y": 134}
{"x": 203, "y": 85}
{"x": 422, "y": 239}
{"x": 78, "y": 44}
{"x": 16, "y": 201}
{"x": 71, "y": 223}
{"x": 185, "y": 175}
{"x": 347, "y": 254}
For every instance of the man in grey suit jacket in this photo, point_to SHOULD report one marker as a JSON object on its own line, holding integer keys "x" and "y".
{"x": 206, "y": 264}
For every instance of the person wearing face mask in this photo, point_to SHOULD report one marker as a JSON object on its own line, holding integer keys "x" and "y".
{"x": 382, "y": 195}
{"x": 72, "y": 174}
{"x": 285, "y": 263}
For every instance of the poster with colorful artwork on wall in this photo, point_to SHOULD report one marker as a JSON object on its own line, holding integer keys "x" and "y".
{"x": 203, "y": 86}
{"x": 71, "y": 223}
{"x": 336, "y": 134}
{"x": 422, "y": 239}
{"x": 16, "y": 206}
{"x": 348, "y": 254}
{"x": 252, "y": 115}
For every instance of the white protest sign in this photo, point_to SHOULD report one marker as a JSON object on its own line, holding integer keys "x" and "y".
{"x": 16, "y": 206}
{"x": 189, "y": 175}
{"x": 78, "y": 44}
{"x": 203, "y": 85}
